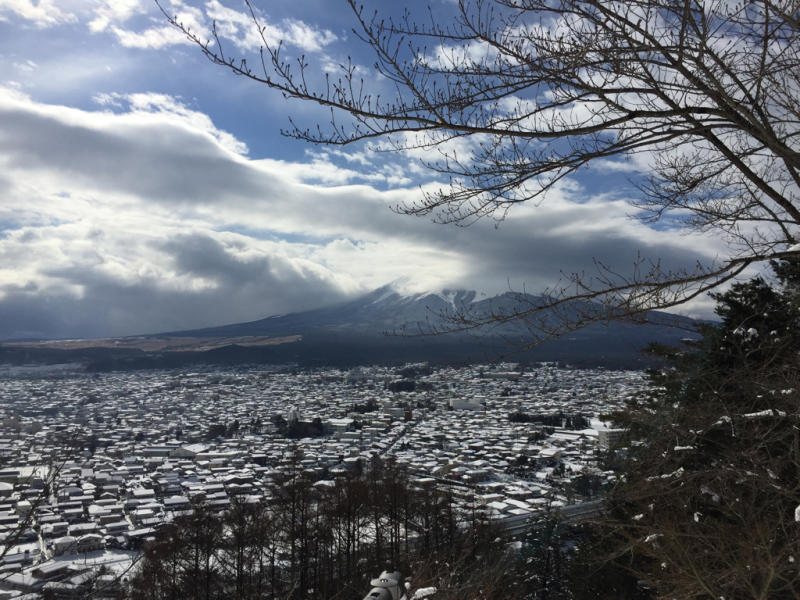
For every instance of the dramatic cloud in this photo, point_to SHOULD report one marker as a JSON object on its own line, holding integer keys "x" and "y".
{"x": 143, "y": 215}
{"x": 159, "y": 34}
{"x": 116, "y": 11}
{"x": 239, "y": 28}
{"x": 139, "y": 24}
{"x": 42, "y": 13}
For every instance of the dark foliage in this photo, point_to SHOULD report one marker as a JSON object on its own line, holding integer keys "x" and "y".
{"x": 565, "y": 421}
{"x": 707, "y": 509}
{"x": 402, "y": 385}
{"x": 303, "y": 429}
{"x": 365, "y": 407}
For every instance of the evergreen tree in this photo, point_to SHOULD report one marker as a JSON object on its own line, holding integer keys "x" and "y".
{"x": 707, "y": 505}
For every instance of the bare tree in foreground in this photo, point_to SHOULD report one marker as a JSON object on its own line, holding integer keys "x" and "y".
{"x": 703, "y": 94}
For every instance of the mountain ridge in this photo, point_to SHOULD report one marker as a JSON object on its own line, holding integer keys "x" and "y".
{"x": 383, "y": 325}
{"x": 386, "y": 310}
{"x": 380, "y": 303}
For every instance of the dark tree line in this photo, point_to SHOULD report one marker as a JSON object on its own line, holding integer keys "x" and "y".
{"x": 315, "y": 541}
{"x": 296, "y": 429}
{"x": 222, "y": 430}
{"x": 566, "y": 421}
{"x": 365, "y": 407}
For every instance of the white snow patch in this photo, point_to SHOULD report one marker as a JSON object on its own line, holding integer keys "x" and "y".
{"x": 448, "y": 296}
{"x": 676, "y": 473}
{"x": 385, "y": 295}
{"x": 714, "y": 496}
{"x": 770, "y": 412}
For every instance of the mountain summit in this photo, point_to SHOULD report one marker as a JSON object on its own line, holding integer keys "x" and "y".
{"x": 384, "y": 325}
{"x": 382, "y": 311}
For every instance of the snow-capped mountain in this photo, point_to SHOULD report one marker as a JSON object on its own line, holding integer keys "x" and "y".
{"x": 384, "y": 311}
{"x": 385, "y": 325}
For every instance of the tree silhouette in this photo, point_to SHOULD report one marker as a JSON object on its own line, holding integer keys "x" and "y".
{"x": 702, "y": 94}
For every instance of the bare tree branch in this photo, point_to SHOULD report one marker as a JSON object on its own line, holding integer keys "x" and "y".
{"x": 704, "y": 92}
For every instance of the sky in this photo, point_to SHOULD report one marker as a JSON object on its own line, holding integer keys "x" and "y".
{"x": 144, "y": 189}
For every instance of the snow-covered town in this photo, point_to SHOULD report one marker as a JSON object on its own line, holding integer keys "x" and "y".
{"x": 93, "y": 465}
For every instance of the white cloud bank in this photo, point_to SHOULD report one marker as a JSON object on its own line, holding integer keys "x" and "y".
{"x": 123, "y": 19}
{"x": 143, "y": 216}
{"x": 42, "y": 13}
{"x": 140, "y": 24}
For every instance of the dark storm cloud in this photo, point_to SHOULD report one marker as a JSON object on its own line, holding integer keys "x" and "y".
{"x": 137, "y": 222}
{"x": 237, "y": 290}
{"x": 154, "y": 160}
{"x": 541, "y": 249}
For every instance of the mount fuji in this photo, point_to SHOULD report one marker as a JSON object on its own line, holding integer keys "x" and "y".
{"x": 383, "y": 326}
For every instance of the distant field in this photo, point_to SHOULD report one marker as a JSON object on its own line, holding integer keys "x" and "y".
{"x": 159, "y": 344}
